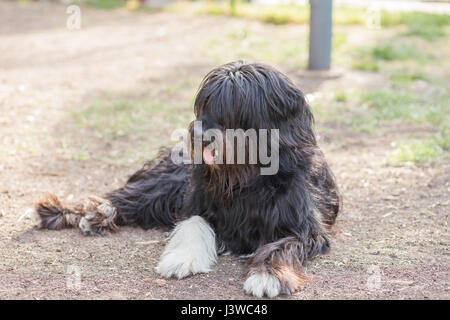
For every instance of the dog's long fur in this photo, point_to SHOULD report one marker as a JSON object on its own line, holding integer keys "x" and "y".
{"x": 281, "y": 220}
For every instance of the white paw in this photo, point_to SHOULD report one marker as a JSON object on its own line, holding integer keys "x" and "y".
{"x": 33, "y": 216}
{"x": 85, "y": 226}
{"x": 191, "y": 249}
{"x": 262, "y": 284}
{"x": 180, "y": 264}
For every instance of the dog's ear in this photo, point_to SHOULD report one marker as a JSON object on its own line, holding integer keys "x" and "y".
{"x": 293, "y": 102}
{"x": 284, "y": 98}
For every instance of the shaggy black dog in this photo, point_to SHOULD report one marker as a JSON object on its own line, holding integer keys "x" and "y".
{"x": 278, "y": 220}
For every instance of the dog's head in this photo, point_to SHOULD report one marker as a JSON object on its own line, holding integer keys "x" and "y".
{"x": 246, "y": 113}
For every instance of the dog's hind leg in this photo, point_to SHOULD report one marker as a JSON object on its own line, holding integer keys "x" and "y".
{"x": 100, "y": 216}
{"x": 153, "y": 196}
{"x": 94, "y": 216}
{"x": 323, "y": 186}
{"x": 49, "y": 213}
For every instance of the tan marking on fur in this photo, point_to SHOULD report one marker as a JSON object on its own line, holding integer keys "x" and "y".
{"x": 292, "y": 278}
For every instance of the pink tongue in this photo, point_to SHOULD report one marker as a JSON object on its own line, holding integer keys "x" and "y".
{"x": 208, "y": 155}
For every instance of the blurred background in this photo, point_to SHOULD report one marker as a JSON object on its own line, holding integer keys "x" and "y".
{"x": 109, "y": 66}
{"x": 91, "y": 89}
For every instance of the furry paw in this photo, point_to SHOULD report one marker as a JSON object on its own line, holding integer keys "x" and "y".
{"x": 85, "y": 227}
{"x": 274, "y": 281}
{"x": 191, "y": 250}
{"x": 262, "y": 284}
{"x": 99, "y": 217}
{"x": 33, "y": 216}
{"x": 181, "y": 264}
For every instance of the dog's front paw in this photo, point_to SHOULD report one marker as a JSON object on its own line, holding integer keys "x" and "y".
{"x": 181, "y": 264}
{"x": 262, "y": 284}
{"x": 191, "y": 249}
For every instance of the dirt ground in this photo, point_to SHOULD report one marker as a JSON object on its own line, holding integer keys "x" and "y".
{"x": 394, "y": 240}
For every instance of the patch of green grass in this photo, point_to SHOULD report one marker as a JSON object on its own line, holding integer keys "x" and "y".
{"x": 429, "y": 26}
{"x": 421, "y": 150}
{"x": 114, "y": 119}
{"x": 123, "y": 130}
{"x": 138, "y": 153}
{"x": 282, "y": 14}
{"x": 368, "y": 59}
{"x": 105, "y": 4}
{"x": 361, "y": 124}
{"x": 70, "y": 151}
{"x": 366, "y": 111}
{"x": 339, "y": 40}
{"x": 406, "y": 76}
{"x": 415, "y": 151}
{"x": 341, "y": 49}
{"x": 279, "y": 14}
{"x": 340, "y": 96}
{"x": 443, "y": 138}
{"x": 390, "y": 104}
{"x": 365, "y": 64}
{"x": 252, "y": 44}
{"x": 341, "y": 107}
{"x": 424, "y": 25}
{"x": 391, "y": 52}
{"x": 349, "y": 16}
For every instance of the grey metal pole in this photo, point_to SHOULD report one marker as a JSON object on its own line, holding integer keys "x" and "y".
{"x": 320, "y": 24}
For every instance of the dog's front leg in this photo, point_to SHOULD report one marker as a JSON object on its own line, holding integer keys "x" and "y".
{"x": 191, "y": 249}
{"x": 275, "y": 269}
